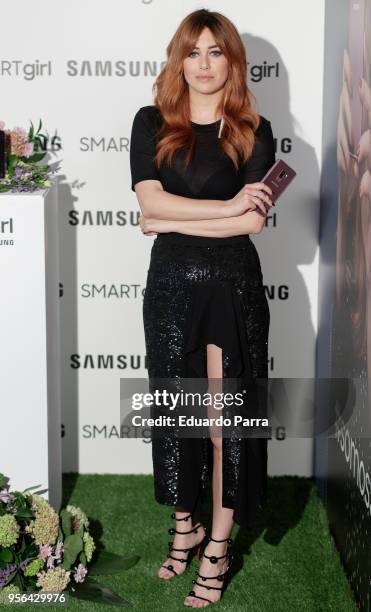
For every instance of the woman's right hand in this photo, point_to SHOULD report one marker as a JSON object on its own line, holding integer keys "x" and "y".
{"x": 251, "y": 197}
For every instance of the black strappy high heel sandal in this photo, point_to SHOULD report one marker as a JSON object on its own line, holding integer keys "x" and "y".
{"x": 219, "y": 577}
{"x": 172, "y": 530}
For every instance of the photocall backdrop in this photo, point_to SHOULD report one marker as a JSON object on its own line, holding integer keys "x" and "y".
{"x": 85, "y": 69}
{"x": 343, "y": 460}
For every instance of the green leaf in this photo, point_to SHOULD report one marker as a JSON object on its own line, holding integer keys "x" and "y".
{"x": 73, "y": 545}
{"x": 24, "y": 513}
{"x": 91, "y": 590}
{"x": 83, "y": 558}
{"x": 18, "y": 581}
{"x": 40, "y": 491}
{"x": 110, "y": 563}
{"x": 31, "y": 551}
{"x": 66, "y": 522}
{"x": 31, "y": 132}
{"x": 6, "y": 555}
{"x": 39, "y": 128}
{"x": 30, "y": 488}
{"x": 40, "y": 142}
{"x": 21, "y": 498}
{"x": 12, "y": 160}
{"x": 32, "y": 159}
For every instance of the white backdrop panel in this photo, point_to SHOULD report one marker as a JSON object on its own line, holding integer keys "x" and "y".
{"x": 91, "y": 113}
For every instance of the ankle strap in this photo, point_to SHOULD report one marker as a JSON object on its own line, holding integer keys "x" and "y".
{"x": 185, "y": 518}
{"x": 172, "y": 530}
{"x": 229, "y": 540}
{"x": 214, "y": 558}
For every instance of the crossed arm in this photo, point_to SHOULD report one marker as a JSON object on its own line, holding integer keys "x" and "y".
{"x": 164, "y": 212}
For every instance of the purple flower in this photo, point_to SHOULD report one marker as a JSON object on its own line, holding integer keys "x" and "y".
{"x": 57, "y": 555}
{"x": 58, "y": 549}
{"x": 80, "y": 573}
{"x": 45, "y": 550}
{"x": 23, "y": 564}
{"x": 5, "y": 573}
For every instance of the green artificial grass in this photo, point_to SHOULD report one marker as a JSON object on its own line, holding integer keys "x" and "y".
{"x": 288, "y": 563}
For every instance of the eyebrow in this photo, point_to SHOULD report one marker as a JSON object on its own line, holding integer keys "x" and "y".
{"x": 209, "y": 47}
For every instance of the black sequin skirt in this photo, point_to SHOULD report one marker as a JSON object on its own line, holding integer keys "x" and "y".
{"x": 207, "y": 290}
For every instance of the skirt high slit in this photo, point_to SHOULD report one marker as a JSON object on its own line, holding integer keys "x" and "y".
{"x": 203, "y": 291}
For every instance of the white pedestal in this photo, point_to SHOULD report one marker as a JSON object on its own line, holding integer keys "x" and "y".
{"x": 30, "y": 439}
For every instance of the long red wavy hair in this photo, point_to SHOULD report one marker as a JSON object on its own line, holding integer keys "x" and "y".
{"x": 172, "y": 92}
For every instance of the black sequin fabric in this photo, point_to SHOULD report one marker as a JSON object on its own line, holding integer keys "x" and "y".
{"x": 199, "y": 291}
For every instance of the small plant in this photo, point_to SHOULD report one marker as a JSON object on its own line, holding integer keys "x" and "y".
{"x": 41, "y": 550}
{"x": 24, "y": 172}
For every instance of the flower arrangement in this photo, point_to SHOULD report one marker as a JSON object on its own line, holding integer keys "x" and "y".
{"x": 43, "y": 551}
{"x": 24, "y": 172}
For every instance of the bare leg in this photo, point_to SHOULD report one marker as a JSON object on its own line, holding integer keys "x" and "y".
{"x": 222, "y": 517}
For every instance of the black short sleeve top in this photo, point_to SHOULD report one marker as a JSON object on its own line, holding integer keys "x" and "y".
{"x": 211, "y": 173}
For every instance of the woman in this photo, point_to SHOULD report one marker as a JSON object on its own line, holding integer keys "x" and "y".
{"x": 197, "y": 159}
